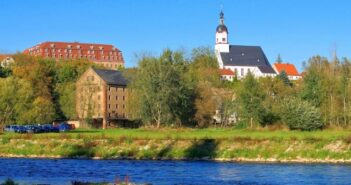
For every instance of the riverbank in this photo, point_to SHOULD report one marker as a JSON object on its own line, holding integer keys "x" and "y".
{"x": 209, "y": 144}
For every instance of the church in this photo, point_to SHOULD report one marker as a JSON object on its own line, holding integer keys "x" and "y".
{"x": 239, "y": 59}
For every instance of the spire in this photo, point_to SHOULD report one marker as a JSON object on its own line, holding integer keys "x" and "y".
{"x": 221, "y": 18}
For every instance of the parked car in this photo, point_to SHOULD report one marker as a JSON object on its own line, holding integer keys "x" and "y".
{"x": 64, "y": 127}
{"x": 10, "y": 128}
{"x": 49, "y": 128}
{"x": 32, "y": 129}
{"x": 21, "y": 129}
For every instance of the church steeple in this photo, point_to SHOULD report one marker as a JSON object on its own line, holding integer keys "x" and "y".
{"x": 221, "y": 18}
{"x": 222, "y": 44}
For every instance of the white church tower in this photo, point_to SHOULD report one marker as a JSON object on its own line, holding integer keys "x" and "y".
{"x": 222, "y": 44}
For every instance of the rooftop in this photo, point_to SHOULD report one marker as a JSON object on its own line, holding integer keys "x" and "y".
{"x": 247, "y": 56}
{"x": 112, "y": 77}
{"x": 289, "y": 69}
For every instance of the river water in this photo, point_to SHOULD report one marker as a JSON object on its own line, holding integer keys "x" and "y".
{"x": 63, "y": 171}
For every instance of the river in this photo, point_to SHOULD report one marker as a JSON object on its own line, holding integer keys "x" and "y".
{"x": 63, "y": 171}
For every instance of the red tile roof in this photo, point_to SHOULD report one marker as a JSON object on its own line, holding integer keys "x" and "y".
{"x": 227, "y": 72}
{"x": 93, "y": 52}
{"x": 289, "y": 69}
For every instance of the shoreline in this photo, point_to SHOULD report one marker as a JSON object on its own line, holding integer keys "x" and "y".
{"x": 234, "y": 160}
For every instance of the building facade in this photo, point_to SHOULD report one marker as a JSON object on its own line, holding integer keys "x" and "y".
{"x": 240, "y": 59}
{"x": 102, "y": 54}
{"x": 101, "y": 96}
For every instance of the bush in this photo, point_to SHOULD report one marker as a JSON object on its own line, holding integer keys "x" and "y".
{"x": 300, "y": 115}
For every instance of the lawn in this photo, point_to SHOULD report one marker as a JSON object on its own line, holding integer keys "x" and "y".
{"x": 213, "y": 143}
{"x": 208, "y": 133}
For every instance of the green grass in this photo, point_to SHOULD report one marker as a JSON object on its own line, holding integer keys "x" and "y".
{"x": 182, "y": 143}
{"x": 210, "y": 133}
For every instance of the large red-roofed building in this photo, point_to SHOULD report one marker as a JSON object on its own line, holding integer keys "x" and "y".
{"x": 103, "y": 54}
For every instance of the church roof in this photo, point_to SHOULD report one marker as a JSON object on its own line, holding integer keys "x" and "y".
{"x": 247, "y": 56}
{"x": 112, "y": 77}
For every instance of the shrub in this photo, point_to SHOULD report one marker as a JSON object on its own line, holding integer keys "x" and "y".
{"x": 300, "y": 115}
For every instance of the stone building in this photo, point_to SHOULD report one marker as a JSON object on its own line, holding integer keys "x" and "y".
{"x": 102, "y": 96}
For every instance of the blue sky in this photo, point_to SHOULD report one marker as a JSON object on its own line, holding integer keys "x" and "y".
{"x": 297, "y": 29}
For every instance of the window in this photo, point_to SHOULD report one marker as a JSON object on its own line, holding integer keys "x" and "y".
{"x": 124, "y": 106}
{"x": 223, "y": 39}
{"x": 109, "y": 106}
{"x": 116, "y": 97}
{"x": 242, "y": 72}
{"x": 116, "y": 106}
{"x": 109, "y": 97}
{"x": 123, "y": 98}
{"x": 98, "y": 97}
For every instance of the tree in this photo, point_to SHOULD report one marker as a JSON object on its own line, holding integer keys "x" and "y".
{"x": 42, "y": 111}
{"x": 301, "y": 115}
{"x": 284, "y": 77}
{"x": 251, "y": 98}
{"x": 163, "y": 94}
{"x": 15, "y": 100}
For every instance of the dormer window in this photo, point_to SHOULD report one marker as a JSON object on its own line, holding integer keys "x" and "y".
{"x": 91, "y": 47}
{"x": 52, "y": 45}
{"x": 258, "y": 60}
{"x": 69, "y": 46}
{"x": 78, "y": 46}
{"x": 242, "y": 54}
{"x": 101, "y": 48}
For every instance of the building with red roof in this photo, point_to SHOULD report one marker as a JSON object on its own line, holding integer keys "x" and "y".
{"x": 227, "y": 74}
{"x": 289, "y": 69}
{"x": 103, "y": 54}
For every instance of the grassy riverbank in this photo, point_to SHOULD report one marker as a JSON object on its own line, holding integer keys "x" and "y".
{"x": 218, "y": 144}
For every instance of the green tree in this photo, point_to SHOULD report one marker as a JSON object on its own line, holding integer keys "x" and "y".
{"x": 204, "y": 78}
{"x": 284, "y": 77}
{"x": 301, "y": 115}
{"x": 42, "y": 111}
{"x": 251, "y": 98}
{"x": 15, "y": 100}
{"x": 163, "y": 93}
